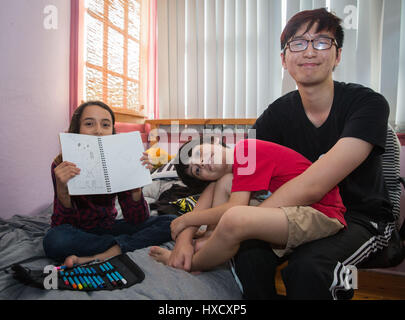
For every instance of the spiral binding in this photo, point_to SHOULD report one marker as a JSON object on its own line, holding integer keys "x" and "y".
{"x": 103, "y": 163}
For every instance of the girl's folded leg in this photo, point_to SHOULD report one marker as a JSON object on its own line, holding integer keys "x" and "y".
{"x": 66, "y": 240}
{"x": 154, "y": 231}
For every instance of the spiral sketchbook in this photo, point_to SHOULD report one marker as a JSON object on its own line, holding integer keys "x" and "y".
{"x": 109, "y": 164}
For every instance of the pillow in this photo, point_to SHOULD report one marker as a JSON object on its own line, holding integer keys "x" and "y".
{"x": 184, "y": 205}
{"x": 166, "y": 171}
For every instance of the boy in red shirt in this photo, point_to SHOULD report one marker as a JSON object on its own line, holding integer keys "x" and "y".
{"x": 253, "y": 165}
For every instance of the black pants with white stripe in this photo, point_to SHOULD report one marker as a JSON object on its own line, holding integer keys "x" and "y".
{"x": 321, "y": 269}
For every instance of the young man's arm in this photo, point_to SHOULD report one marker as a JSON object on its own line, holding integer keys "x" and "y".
{"x": 208, "y": 216}
{"x": 323, "y": 175}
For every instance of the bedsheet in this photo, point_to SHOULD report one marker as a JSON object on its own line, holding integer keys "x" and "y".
{"x": 21, "y": 242}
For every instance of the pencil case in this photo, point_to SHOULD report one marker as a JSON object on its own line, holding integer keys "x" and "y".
{"x": 118, "y": 272}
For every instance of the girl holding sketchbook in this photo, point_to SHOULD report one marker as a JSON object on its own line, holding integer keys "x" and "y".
{"x": 84, "y": 227}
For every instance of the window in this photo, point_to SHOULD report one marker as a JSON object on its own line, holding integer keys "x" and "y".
{"x": 112, "y": 52}
{"x": 113, "y": 55}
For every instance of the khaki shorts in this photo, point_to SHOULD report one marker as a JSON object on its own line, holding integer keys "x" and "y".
{"x": 307, "y": 224}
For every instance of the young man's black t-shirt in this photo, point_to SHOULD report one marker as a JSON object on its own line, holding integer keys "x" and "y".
{"x": 357, "y": 112}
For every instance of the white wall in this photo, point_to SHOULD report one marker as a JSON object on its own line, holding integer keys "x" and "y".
{"x": 34, "y": 97}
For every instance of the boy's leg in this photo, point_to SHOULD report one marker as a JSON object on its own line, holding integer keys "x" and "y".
{"x": 319, "y": 269}
{"x": 236, "y": 225}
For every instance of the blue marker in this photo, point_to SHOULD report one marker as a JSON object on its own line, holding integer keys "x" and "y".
{"x": 110, "y": 265}
{"x": 102, "y": 268}
{"x": 83, "y": 282}
{"x": 97, "y": 281}
{"x": 87, "y": 281}
{"x": 121, "y": 277}
{"x": 78, "y": 283}
{"x": 101, "y": 280}
{"x": 92, "y": 282}
{"x": 111, "y": 280}
{"x": 72, "y": 283}
{"x": 65, "y": 281}
{"x": 114, "y": 276}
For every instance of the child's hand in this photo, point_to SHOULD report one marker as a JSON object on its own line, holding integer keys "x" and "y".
{"x": 146, "y": 162}
{"x": 65, "y": 171}
{"x": 136, "y": 194}
{"x": 177, "y": 226}
{"x": 181, "y": 256}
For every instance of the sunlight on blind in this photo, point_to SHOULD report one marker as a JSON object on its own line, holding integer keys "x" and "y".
{"x": 112, "y": 52}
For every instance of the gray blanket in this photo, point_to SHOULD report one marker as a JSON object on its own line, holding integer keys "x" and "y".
{"x": 21, "y": 241}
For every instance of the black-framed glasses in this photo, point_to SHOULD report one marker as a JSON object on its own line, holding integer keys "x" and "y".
{"x": 321, "y": 43}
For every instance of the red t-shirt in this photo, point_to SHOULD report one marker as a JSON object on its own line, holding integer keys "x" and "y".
{"x": 262, "y": 165}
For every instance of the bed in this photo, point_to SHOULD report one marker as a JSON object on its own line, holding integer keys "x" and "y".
{"x": 21, "y": 239}
{"x": 21, "y": 242}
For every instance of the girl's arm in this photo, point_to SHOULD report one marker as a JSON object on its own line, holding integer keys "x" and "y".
{"x": 208, "y": 216}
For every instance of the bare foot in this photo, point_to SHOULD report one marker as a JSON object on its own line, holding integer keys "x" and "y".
{"x": 72, "y": 260}
{"x": 160, "y": 254}
{"x": 112, "y": 252}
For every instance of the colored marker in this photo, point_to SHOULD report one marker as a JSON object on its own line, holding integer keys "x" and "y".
{"x": 111, "y": 280}
{"x": 83, "y": 282}
{"x": 101, "y": 280}
{"x": 74, "y": 286}
{"x": 92, "y": 282}
{"x": 110, "y": 265}
{"x": 121, "y": 277}
{"x": 97, "y": 282}
{"x": 87, "y": 281}
{"x": 65, "y": 281}
{"x": 79, "y": 285}
{"x": 116, "y": 278}
{"x": 60, "y": 267}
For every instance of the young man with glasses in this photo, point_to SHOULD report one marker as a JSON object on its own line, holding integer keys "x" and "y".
{"x": 341, "y": 128}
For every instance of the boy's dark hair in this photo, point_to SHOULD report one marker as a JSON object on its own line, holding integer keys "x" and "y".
{"x": 75, "y": 122}
{"x": 195, "y": 185}
{"x": 326, "y": 21}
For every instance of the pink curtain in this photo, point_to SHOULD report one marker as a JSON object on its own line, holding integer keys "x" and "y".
{"x": 153, "y": 75}
{"x": 76, "y": 56}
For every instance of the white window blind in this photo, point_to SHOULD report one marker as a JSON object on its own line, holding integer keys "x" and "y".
{"x": 221, "y": 58}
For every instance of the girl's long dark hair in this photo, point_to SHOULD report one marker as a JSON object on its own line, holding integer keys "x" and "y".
{"x": 75, "y": 121}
